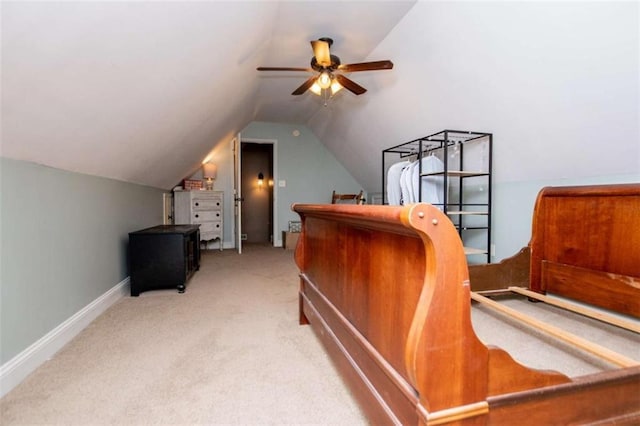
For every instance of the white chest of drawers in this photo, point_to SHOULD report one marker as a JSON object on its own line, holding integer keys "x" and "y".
{"x": 202, "y": 208}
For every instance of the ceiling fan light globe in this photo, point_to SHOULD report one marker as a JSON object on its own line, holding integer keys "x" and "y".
{"x": 316, "y": 89}
{"x": 324, "y": 80}
{"x": 335, "y": 87}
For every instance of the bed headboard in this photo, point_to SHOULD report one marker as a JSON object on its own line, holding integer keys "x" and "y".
{"x": 585, "y": 245}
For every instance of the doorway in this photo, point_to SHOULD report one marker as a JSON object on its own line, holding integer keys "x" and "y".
{"x": 257, "y": 207}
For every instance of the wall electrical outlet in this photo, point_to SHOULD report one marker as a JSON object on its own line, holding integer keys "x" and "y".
{"x": 282, "y": 183}
{"x": 492, "y": 251}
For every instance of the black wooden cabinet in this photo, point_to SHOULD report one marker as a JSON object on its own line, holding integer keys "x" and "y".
{"x": 164, "y": 256}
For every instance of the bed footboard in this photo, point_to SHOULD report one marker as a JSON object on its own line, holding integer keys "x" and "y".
{"x": 386, "y": 290}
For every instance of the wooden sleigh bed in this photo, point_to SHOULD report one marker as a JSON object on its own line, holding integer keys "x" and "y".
{"x": 387, "y": 291}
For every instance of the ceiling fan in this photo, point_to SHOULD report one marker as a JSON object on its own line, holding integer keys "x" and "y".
{"x": 330, "y": 77}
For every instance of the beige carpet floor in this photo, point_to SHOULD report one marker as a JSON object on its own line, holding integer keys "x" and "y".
{"x": 227, "y": 351}
{"x": 230, "y": 351}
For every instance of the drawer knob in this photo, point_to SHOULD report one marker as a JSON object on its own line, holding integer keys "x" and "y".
{"x": 197, "y": 216}
{"x": 197, "y": 204}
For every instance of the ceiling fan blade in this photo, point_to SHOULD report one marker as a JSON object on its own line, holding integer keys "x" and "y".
{"x": 367, "y": 66}
{"x": 321, "y": 52}
{"x": 350, "y": 85}
{"x": 283, "y": 69}
{"x": 303, "y": 88}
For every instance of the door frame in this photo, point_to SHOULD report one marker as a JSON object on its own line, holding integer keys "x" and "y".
{"x": 237, "y": 192}
{"x": 273, "y": 142}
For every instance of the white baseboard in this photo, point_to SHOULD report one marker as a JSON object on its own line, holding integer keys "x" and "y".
{"x": 232, "y": 244}
{"x": 19, "y": 367}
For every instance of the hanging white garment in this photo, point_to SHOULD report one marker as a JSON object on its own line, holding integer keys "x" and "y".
{"x": 394, "y": 189}
{"x": 405, "y": 185}
{"x": 432, "y": 186}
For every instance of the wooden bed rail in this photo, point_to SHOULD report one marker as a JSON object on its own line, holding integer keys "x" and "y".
{"x": 583, "y": 344}
{"x": 599, "y": 315}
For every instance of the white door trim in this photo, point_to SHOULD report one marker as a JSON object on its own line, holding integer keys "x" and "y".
{"x": 277, "y": 242}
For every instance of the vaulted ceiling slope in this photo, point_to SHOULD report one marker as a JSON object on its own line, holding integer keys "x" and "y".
{"x": 142, "y": 91}
{"x": 555, "y": 82}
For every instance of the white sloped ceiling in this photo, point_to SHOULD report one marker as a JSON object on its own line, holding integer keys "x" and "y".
{"x": 555, "y": 82}
{"x": 142, "y": 91}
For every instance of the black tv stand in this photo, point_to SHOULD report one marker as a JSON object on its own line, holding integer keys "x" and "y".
{"x": 164, "y": 256}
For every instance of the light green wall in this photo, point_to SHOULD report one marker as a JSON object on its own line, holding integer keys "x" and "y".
{"x": 64, "y": 244}
{"x": 513, "y": 204}
{"x": 310, "y": 171}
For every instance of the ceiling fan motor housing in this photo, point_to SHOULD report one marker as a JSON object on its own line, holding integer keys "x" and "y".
{"x": 335, "y": 63}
